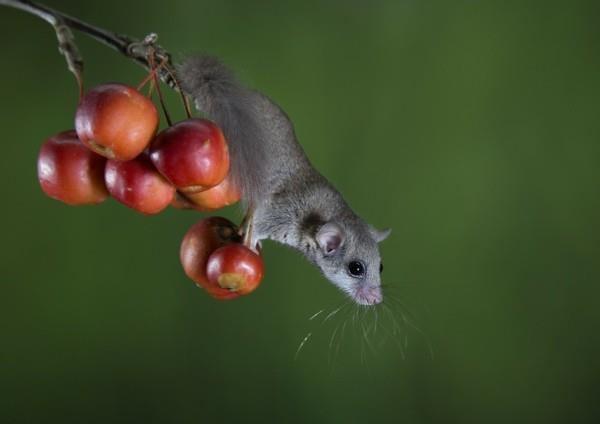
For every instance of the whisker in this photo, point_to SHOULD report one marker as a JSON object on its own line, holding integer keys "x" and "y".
{"x": 412, "y": 325}
{"x": 335, "y": 311}
{"x": 394, "y": 340}
{"x": 316, "y": 315}
{"x": 302, "y": 343}
{"x": 402, "y": 307}
{"x": 349, "y": 314}
{"x": 365, "y": 325}
{"x": 356, "y": 312}
{"x": 387, "y": 309}
{"x": 337, "y": 349}
{"x": 400, "y": 336}
{"x": 362, "y": 352}
{"x": 376, "y": 321}
{"x": 368, "y": 340}
{"x": 331, "y": 340}
{"x": 371, "y": 315}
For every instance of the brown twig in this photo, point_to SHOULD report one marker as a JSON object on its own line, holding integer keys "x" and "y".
{"x": 139, "y": 50}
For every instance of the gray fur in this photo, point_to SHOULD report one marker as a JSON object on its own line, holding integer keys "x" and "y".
{"x": 290, "y": 199}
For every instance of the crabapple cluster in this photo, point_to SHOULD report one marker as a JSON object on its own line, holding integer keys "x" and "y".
{"x": 115, "y": 151}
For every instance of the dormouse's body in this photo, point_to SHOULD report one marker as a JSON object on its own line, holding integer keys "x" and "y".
{"x": 288, "y": 200}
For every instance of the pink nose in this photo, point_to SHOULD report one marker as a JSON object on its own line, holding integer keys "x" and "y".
{"x": 369, "y": 295}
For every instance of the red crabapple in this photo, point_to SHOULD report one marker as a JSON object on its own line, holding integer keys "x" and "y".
{"x": 116, "y": 121}
{"x": 70, "y": 172}
{"x": 192, "y": 154}
{"x": 236, "y": 268}
{"x": 223, "y": 194}
{"x": 199, "y": 242}
{"x": 138, "y": 185}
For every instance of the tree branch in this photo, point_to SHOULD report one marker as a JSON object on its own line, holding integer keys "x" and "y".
{"x": 145, "y": 52}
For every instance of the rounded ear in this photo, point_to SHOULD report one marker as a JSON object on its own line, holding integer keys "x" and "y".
{"x": 380, "y": 235}
{"x": 330, "y": 238}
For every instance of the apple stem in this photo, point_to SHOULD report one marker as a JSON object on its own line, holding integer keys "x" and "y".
{"x": 184, "y": 97}
{"x": 79, "y": 78}
{"x": 151, "y": 89}
{"x": 157, "y": 83}
{"x": 151, "y": 75}
{"x": 186, "y": 104}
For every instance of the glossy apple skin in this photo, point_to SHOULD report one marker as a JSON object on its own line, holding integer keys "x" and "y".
{"x": 116, "y": 121}
{"x": 70, "y": 172}
{"x": 223, "y": 194}
{"x": 199, "y": 242}
{"x": 192, "y": 154}
{"x": 138, "y": 185}
{"x": 236, "y": 268}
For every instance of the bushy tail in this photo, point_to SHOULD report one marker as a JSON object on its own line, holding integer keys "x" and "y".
{"x": 218, "y": 95}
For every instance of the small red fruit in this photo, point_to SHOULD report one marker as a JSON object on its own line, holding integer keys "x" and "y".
{"x": 116, "y": 121}
{"x": 199, "y": 242}
{"x": 236, "y": 268}
{"x": 192, "y": 154}
{"x": 138, "y": 185}
{"x": 70, "y": 172}
{"x": 223, "y": 194}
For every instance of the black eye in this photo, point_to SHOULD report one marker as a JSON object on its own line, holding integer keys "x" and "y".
{"x": 381, "y": 267}
{"x": 356, "y": 268}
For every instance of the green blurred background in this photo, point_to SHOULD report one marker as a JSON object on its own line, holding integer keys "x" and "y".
{"x": 470, "y": 127}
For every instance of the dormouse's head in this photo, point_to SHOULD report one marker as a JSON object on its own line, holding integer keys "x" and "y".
{"x": 348, "y": 255}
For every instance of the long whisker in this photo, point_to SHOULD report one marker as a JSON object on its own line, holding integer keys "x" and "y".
{"x": 399, "y": 336}
{"x": 302, "y": 343}
{"x": 339, "y": 343}
{"x": 313, "y": 317}
{"x": 355, "y": 314}
{"x": 367, "y": 339}
{"x": 335, "y": 311}
{"x": 395, "y": 325}
{"x": 402, "y": 305}
{"x": 316, "y": 315}
{"x": 394, "y": 340}
{"x": 331, "y": 340}
{"x": 375, "y": 322}
{"x": 411, "y": 324}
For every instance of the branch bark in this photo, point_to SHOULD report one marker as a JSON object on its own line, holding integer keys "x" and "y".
{"x": 144, "y": 52}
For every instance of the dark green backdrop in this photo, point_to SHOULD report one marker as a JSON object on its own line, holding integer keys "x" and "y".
{"x": 470, "y": 127}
